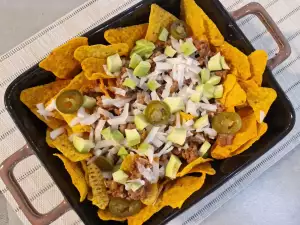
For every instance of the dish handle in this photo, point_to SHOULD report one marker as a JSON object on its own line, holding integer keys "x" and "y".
{"x": 34, "y": 217}
{"x": 259, "y": 11}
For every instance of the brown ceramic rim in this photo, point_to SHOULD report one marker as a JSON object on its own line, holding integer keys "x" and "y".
{"x": 6, "y": 168}
{"x": 259, "y": 11}
{"x": 34, "y": 217}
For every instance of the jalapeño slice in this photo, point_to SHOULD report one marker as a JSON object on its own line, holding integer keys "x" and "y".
{"x": 69, "y": 101}
{"x": 179, "y": 30}
{"x": 227, "y": 123}
{"x": 157, "y": 112}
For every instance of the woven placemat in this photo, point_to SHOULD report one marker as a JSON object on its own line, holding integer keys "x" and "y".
{"x": 36, "y": 182}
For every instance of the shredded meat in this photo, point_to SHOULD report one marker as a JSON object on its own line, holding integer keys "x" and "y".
{"x": 174, "y": 87}
{"x": 138, "y": 194}
{"x": 176, "y": 151}
{"x": 141, "y": 97}
{"x": 220, "y": 108}
{"x": 130, "y": 126}
{"x": 119, "y": 81}
{"x": 225, "y": 139}
{"x": 117, "y": 111}
{"x": 188, "y": 81}
{"x": 203, "y": 50}
{"x": 115, "y": 189}
{"x": 222, "y": 74}
{"x": 198, "y": 138}
{"x": 191, "y": 153}
{"x": 100, "y": 104}
{"x": 160, "y": 90}
{"x": 156, "y": 53}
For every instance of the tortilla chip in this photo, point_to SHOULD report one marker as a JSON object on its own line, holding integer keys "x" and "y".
{"x": 82, "y": 84}
{"x": 228, "y": 85}
{"x": 159, "y": 19}
{"x": 128, "y": 35}
{"x": 186, "y": 117}
{"x": 247, "y": 132}
{"x": 100, "y": 51}
{"x": 96, "y": 181}
{"x": 106, "y": 215}
{"x": 93, "y": 68}
{"x": 203, "y": 168}
{"x": 262, "y": 129}
{"x": 103, "y": 88}
{"x": 128, "y": 163}
{"x": 152, "y": 195}
{"x": 49, "y": 141}
{"x": 258, "y": 62}
{"x": 201, "y": 25}
{"x": 63, "y": 145}
{"x": 191, "y": 165}
{"x": 42, "y": 94}
{"x": 261, "y": 99}
{"x": 237, "y": 60}
{"x": 245, "y": 111}
{"x": 248, "y": 84}
{"x": 61, "y": 61}
{"x": 76, "y": 175}
{"x": 84, "y": 168}
{"x": 236, "y": 97}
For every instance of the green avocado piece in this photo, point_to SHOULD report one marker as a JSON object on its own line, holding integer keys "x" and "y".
{"x": 177, "y": 136}
{"x": 173, "y": 167}
{"x": 120, "y": 177}
{"x": 163, "y": 36}
{"x": 134, "y": 186}
{"x": 214, "y": 64}
{"x": 133, "y": 137}
{"x": 143, "y": 148}
{"x": 214, "y": 80}
{"x": 169, "y": 51}
{"x": 204, "y": 148}
{"x": 122, "y": 151}
{"x": 82, "y": 145}
{"x": 143, "y": 48}
{"x": 140, "y": 121}
{"x": 142, "y": 69}
{"x": 205, "y": 75}
{"x": 175, "y": 104}
{"x": 187, "y": 48}
{"x": 88, "y": 102}
{"x": 153, "y": 85}
{"x": 135, "y": 59}
{"x": 208, "y": 90}
{"x": 218, "y": 93}
{"x": 106, "y": 133}
{"x": 117, "y": 136}
{"x": 129, "y": 83}
{"x": 114, "y": 63}
{"x": 224, "y": 64}
{"x": 196, "y": 97}
{"x": 201, "y": 122}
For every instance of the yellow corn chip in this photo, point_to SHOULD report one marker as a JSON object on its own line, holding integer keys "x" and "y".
{"x": 228, "y": 85}
{"x": 159, "y": 19}
{"x": 258, "y": 62}
{"x": 42, "y": 94}
{"x": 103, "y": 88}
{"x": 106, "y": 215}
{"x": 128, "y": 163}
{"x": 152, "y": 195}
{"x": 48, "y": 138}
{"x": 186, "y": 117}
{"x": 96, "y": 181}
{"x": 262, "y": 129}
{"x": 261, "y": 99}
{"x": 63, "y": 145}
{"x": 236, "y": 97}
{"x": 84, "y": 168}
{"x": 191, "y": 165}
{"x": 76, "y": 175}
{"x": 128, "y": 35}
{"x": 248, "y": 84}
{"x": 203, "y": 168}
{"x": 245, "y": 111}
{"x": 93, "y": 68}
{"x": 237, "y": 60}
{"x": 82, "y": 84}
{"x": 201, "y": 25}
{"x": 61, "y": 61}
{"x": 100, "y": 51}
{"x": 247, "y": 132}
{"x": 174, "y": 196}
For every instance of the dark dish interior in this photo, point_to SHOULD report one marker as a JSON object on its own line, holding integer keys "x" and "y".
{"x": 280, "y": 119}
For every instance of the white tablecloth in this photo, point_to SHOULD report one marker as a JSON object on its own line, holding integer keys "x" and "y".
{"x": 35, "y": 181}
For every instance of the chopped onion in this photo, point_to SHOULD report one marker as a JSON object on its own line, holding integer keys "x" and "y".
{"x": 163, "y": 151}
{"x": 105, "y": 113}
{"x": 105, "y": 143}
{"x": 132, "y": 77}
{"x": 89, "y": 120}
{"x": 142, "y": 82}
{"x": 205, "y": 100}
{"x": 118, "y": 102}
{"x": 81, "y": 113}
{"x": 188, "y": 123}
{"x": 178, "y": 123}
{"x": 113, "y": 150}
{"x": 98, "y": 130}
{"x": 189, "y": 61}
{"x": 262, "y": 116}
{"x": 175, "y": 44}
{"x": 163, "y": 66}
{"x": 192, "y": 108}
{"x": 119, "y": 91}
{"x": 194, "y": 69}
{"x": 117, "y": 120}
{"x": 128, "y": 183}
{"x": 51, "y": 106}
{"x": 154, "y": 96}
{"x": 160, "y": 57}
{"x": 162, "y": 172}
{"x": 167, "y": 89}
{"x": 209, "y": 107}
{"x": 91, "y": 135}
{"x": 210, "y": 132}
{"x": 57, "y": 132}
{"x": 98, "y": 152}
{"x": 42, "y": 111}
{"x": 203, "y": 113}
{"x": 73, "y": 135}
{"x": 130, "y": 119}
{"x": 74, "y": 122}
{"x": 106, "y": 175}
{"x": 151, "y": 135}
{"x": 157, "y": 143}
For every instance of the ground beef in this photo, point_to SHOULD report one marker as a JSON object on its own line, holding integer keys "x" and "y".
{"x": 138, "y": 194}
{"x": 176, "y": 151}
{"x": 203, "y": 50}
{"x": 220, "y": 108}
{"x": 222, "y": 74}
{"x": 160, "y": 90}
{"x": 155, "y": 53}
{"x": 191, "y": 153}
{"x": 117, "y": 111}
{"x": 140, "y": 97}
{"x": 225, "y": 139}
{"x": 115, "y": 189}
{"x": 174, "y": 87}
{"x": 198, "y": 138}
{"x": 130, "y": 126}
{"x": 188, "y": 82}
{"x": 119, "y": 82}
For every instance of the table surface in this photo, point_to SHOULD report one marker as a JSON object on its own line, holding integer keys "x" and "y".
{"x": 271, "y": 199}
